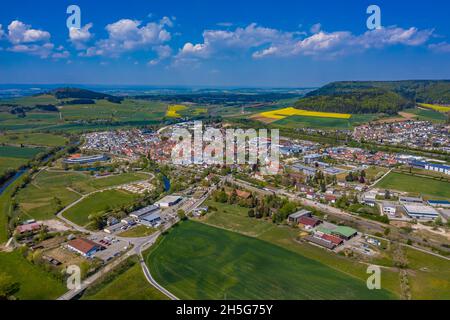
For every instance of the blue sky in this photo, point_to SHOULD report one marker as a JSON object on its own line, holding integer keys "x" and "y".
{"x": 222, "y": 43}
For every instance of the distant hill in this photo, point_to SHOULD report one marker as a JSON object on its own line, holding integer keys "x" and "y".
{"x": 375, "y": 96}
{"x": 76, "y": 93}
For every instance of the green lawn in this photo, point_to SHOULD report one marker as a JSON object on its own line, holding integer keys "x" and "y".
{"x": 130, "y": 285}
{"x": 98, "y": 203}
{"x": 35, "y": 284}
{"x": 196, "y": 261}
{"x": 138, "y": 231}
{"x": 38, "y": 139}
{"x": 430, "y": 275}
{"x": 429, "y": 188}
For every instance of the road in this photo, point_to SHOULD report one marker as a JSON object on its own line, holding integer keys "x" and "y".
{"x": 139, "y": 245}
{"x": 89, "y": 281}
{"x": 146, "y": 271}
{"x": 84, "y": 196}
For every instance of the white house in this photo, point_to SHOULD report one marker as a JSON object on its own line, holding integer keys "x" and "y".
{"x": 389, "y": 209}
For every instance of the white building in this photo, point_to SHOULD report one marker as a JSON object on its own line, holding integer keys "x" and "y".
{"x": 421, "y": 212}
{"x": 168, "y": 201}
{"x": 389, "y": 209}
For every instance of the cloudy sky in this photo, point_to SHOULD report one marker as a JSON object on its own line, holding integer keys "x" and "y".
{"x": 222, "y": 43}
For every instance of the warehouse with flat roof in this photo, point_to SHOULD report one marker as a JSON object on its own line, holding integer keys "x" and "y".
{"x": 421, "y": 212}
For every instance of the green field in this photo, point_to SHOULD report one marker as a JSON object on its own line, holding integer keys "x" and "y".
{"x": 33, "y": 120}
{"x": 98, "y": 203}
{"x": 128, "y": 110}
{"x": 427, "y": 187}
{"x": 6, "y": 209}
{"x": 35, "y": 284}
{"x": 130, "y": 285}
{"x": 430, "y": 276}
{"x": 236, "y": 219}
{"x": 328, "y": 123}
{"x": 12, "y": 158}
{"x": 38, "y": 139}
{"x": 196, "y": 261}
{"x": 39, "y": 200}
{"x": 99, "y": 116}
{"x": 31, "y": 101}
{"x": 11, "y": 163}
{"x": 427, "y": 114}
{"x": 17, "y": 152}
{"x": 137, "y": 232}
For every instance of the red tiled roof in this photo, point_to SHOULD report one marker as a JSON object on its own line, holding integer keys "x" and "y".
{"x": 83, "y": 245}
{"x": 332, "y": 239}
{"x": 307, "y": 221}
{"x": 243, "y": 194}
{"x": 28, "y": 227}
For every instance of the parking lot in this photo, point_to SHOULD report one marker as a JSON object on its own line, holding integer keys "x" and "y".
{"x": 113, "y": 246}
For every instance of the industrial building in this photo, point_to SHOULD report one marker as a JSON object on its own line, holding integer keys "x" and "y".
{"x": 168, "y": 201}
{"x": 442, "y": 168}
{"x": 343, "y": 232}
{"x": 421, "y": 212}
{"x": 79, "y": 159}
{"x": 144, "y": 211}
{"x": 439, "y": 203}
{"x": 151, "y": 220}
{"x": 295, "y": 217}
{"x": 85, "y": 247}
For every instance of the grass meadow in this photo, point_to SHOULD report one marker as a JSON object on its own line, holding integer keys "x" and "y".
{"x": 197, "y": 261}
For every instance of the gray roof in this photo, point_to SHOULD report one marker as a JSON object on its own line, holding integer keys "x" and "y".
{"x": 300, "y": 213}
{"x": 151, "y": 217}
{"x": 144, "y": 211}
{"x": 321, "y": 242}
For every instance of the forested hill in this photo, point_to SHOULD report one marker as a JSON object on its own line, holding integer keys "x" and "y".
{"x": 76, "y": 93}
{"x": 375, "y": 96}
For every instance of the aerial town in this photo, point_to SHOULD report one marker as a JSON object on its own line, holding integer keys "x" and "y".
{"x": 214, "y": 152}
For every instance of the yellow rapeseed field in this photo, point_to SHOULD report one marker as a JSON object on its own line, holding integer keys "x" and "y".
{"x": 172, "y": 110}
{"x": 287, "y": 112}
{"x": 436, "y": 107}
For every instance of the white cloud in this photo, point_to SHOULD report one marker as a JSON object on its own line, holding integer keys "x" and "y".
{"x": 25, "y": 39}
{"x": 263, "y": 42}
{"x": 2, "y": 33}
{"x": 79, "y": 37}
{"x": 225, "y": 24}
{"x": 442, "y": 47}
{"x": 129, "y": 35}
{"x": 42, "y": 51}
{"x": 163, "y": 52}
{"x": 18, "y": 33}
{"x": 328, "y": 45}
{"x": 61, "y": 53}
{"x": 220, "y": 41}
{"x": 315, "y": 28}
